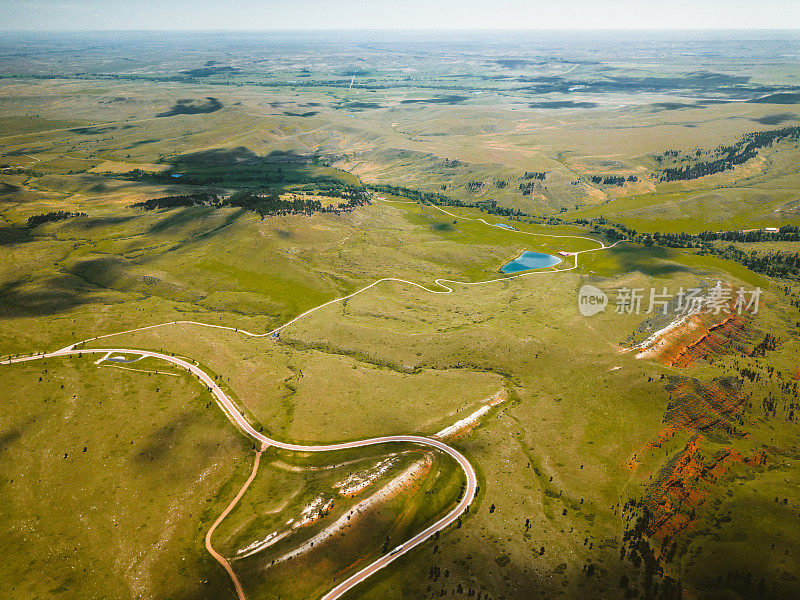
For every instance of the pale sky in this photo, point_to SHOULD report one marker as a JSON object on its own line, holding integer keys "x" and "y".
{"x": 397, "y": 14}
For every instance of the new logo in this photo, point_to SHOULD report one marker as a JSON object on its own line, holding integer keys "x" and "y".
{"x": 591, "y": 300}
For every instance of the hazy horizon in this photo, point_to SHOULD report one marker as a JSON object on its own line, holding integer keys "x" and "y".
{"x": 475, "y": 15}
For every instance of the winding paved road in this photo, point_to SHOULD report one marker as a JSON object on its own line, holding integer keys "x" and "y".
{"x": 235, "y": 415}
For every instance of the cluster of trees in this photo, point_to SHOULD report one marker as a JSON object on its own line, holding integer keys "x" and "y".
{"x": 527, "y": 187}
{"x": 704, "y": 168}
{"x": 613, "y": 179}
{"x": 487, "y": 206}
{"x": 636, "y": 548}
{"x": 775, "y": 264}
{"x": 794, "y": 298}
{"x": 264, "y": 202}
{"x": 610, "y": 231}
{"x": 777, "y": 393}
{"x": 199, "y": 199}
{"x": 8, "y": 170}
{"x": 416, "y": 195}
{"x": 59, "y": 215}
{"x": 750, "y": 374}
{"x": 768, "y": 344}
{"x": 339, "y": 191}
{"x": 534, "y": 175}
{"x": 490, "y": 207}
{"x": 474, "y": 186}
{"x": 729, "y": 156}
{"x": 250, "y": 176}
{"x": 452, "y": 162}
{"x": 787, "y": 233}
{"x": 270, "y": 203}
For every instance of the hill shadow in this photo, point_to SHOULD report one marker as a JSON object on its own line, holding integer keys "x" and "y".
{"x": 192, "y": 107}
{"x": 217, "y": 156}
{"x": 14, "y": 234}
{"x": 776, "y": 119}
{"x": 52, "y": 296}
{"x": 649, "y": 260}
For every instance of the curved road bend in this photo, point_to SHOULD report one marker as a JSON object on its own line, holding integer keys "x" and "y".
{"x": 221, "y": 559}
{"x": 236, "y": 416}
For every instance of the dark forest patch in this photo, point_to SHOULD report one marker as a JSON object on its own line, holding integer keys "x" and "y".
{"x": 722, "y": 158}
{"x": 198, "y": 199}
{"x": 95, "y": 222}
{"x": 116, "y": 99}
{"x": 52, "y": 217}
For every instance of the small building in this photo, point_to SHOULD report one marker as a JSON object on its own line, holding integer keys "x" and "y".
{"x": 565, "y": 253}
{"x": 772, "y": 229}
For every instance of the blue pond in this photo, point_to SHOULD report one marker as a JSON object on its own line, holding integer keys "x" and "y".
{"x": 530, "y": 260}
{"x": 504, "y": 226}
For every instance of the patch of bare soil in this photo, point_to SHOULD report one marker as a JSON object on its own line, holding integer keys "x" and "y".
{"x": 696, "y": 337}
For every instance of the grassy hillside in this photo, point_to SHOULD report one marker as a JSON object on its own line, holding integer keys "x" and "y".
{"x": 110, "y": 479}
{"x": 603, "y": 474}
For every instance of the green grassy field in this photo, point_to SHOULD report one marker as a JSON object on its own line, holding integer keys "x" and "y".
{"x": 409, "y": 360}
{"x": 566, "y": 465}
{"x": 110, "y": 479}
